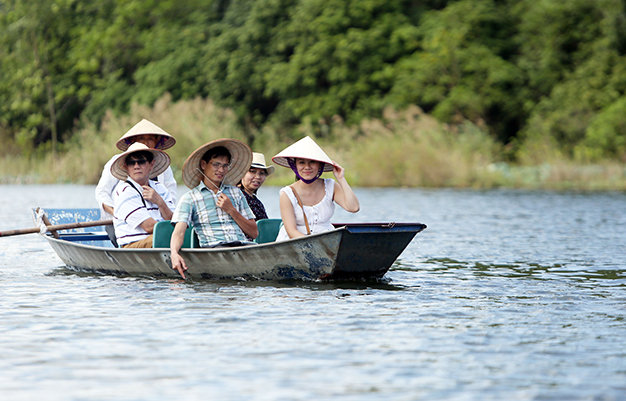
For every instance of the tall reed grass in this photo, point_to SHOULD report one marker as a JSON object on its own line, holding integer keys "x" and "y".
{"x": 81, "y": 159}
{"x": 403, "y": 148}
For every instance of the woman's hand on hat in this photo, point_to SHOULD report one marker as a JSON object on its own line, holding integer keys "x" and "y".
{"x": 338, "y": 171}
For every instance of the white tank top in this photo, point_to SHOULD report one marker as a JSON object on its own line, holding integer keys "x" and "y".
{"x": 318, "y": 215}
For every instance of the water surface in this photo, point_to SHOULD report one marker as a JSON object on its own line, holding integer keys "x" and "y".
{"x": 507, "y": 295}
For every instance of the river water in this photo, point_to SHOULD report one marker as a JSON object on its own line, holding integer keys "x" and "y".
{"x": 507, "y": 295}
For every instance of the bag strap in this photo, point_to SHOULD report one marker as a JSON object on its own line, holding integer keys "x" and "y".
{"x": 139, "y": 192}
{"x": 306, "y": 222}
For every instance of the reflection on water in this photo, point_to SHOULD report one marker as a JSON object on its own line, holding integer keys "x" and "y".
{"x": 524, "y": 270}
{"x": 508, "y": 295}
{"x": 383, "y": 283}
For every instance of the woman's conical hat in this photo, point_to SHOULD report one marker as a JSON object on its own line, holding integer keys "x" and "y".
{"x": 305, "y": 148}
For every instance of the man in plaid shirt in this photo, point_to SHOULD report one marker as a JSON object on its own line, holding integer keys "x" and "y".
{"x": 214, "y": 207}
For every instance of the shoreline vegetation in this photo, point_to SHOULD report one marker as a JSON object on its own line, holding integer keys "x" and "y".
{"x": 406, "y": 148}
{"x": 456, "y": 94}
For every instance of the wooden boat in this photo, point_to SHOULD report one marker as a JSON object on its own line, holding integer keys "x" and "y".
{"x": 350, "y": 251}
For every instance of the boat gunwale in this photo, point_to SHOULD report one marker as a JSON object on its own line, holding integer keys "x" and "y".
{"x": 338, "y": 227}
{"x": 306, "y": 238}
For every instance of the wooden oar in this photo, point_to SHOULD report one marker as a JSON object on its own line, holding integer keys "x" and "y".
{"x": 56, "y": 227}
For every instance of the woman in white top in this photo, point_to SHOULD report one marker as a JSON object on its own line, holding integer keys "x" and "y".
{"x": 307, "y": 205}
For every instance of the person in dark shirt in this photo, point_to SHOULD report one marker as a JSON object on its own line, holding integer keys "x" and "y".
{"x": 252, "y": 181}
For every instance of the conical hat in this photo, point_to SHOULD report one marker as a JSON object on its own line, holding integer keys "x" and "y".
{"x": 240, "y": 160}
{"x": 305, "y": 148}
{"x": 258, "y": 161}
{"x": 160, "y": 158}
{"x": 145, "y": 127}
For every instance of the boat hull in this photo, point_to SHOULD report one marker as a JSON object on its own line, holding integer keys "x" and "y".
{"x": 348, "y": 252}
{"x": 368, "y": 250}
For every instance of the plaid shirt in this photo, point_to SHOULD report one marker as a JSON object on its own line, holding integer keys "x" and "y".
{"x": 198, "y": 209}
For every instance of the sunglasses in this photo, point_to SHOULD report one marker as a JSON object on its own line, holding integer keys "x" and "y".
{"x": 139, "y": 162}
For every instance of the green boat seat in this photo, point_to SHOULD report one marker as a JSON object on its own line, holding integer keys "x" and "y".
{"x": 268, "y": 230}
{"x": 163, "y": 233}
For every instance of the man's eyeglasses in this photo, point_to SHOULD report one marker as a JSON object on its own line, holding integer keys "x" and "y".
{"x": 218, "y": 166}
{"x": 139, "y": 162}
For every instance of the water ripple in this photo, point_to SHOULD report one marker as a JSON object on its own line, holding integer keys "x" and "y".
{"x": 507, "y": 295}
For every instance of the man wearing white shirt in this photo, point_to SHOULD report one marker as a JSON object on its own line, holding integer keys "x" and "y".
{"x": 150, "y": 135}
{"x": 139, "y": 202}
{"x": 153, "y": 137}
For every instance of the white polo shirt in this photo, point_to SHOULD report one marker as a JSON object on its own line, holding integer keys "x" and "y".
{"x": 106, "y": 186}
{"x": 131, "y": 209}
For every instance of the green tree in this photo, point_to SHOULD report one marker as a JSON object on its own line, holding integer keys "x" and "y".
{"x": 38, "y": 82}
{"x": 461, "y": 70}
{"x": 240, "y": 54}
{"x": 341, "y": 57}
{"x": 606, "y": 134}
{"x": 525, "y": 70}
{"x": 173, "y": 48}
{"x": 580, "y": 77}
{"x": 288, "y": 61}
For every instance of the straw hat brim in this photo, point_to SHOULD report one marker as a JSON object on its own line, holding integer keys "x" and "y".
{"x": 258, "y": 161}
{"x": 145, "y": 127}
{"x": 305, "y": 148}
{"x": 161, "y": 162}
{"x": 240, "y": 160}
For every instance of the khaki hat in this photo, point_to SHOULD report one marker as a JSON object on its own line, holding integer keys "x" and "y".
{"x": 258, "y": 161}
{"x": 145, "y": 127}
{"x": 160, "y": 158}
{"x": 305, "y": 148}
{"x": 240, "y": 160}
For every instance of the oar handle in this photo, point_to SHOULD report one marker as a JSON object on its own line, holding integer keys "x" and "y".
{"x": 56, "y": 227}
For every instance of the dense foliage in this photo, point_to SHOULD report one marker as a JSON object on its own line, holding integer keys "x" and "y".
{"x": 532, "y": 73}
